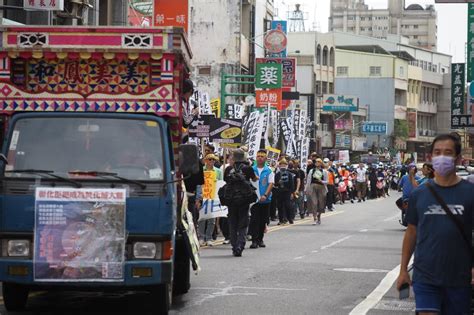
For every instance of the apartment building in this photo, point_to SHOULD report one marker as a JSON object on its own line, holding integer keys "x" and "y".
{"x": 416, "y": 23}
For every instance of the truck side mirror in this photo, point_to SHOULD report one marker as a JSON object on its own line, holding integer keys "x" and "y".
{"x": 188, "y": 159}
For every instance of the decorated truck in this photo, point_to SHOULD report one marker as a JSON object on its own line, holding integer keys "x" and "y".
{"x": 91, "y": 192}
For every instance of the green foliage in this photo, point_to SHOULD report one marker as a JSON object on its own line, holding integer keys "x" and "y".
{"x": 401, "y": 129}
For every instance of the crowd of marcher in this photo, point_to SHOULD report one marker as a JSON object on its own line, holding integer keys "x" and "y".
{"x": 286, "y": 192}
{"x": 437, "y": 205}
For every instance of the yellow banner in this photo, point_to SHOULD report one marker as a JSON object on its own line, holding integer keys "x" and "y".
{"x": 216, "y": 107}
{"x": 209, "y": 187}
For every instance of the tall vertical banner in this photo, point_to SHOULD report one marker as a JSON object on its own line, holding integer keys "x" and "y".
{"x": 255, "y": 136}
{"x": 459, "y": 118}
{"x": 470, "y": 42}
{"x": 275, "y": 127}
{"x": 304, "y": 154}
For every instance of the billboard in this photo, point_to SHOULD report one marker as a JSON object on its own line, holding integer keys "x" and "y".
{"x": 171, "y": 13}
{"x": 340, "y": 103}
{"x": 288, "y": 69}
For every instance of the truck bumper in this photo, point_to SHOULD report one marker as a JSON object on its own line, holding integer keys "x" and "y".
{"x": 158, "y": 272}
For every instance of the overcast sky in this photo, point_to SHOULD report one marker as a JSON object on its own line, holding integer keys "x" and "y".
{"x": 452, "y": 20}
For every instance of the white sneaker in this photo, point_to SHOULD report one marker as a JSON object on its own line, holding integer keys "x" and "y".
{"x": 315, "y": 222}
{"x": 209, "y": 243}
{"x": 226, "y": 242}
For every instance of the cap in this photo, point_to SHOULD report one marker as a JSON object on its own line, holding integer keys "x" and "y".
{"x": 211, "y": 157}
{"x": 326, "y": 160}
{"x": 239, "y": 156}
{"x": 319, "y": 160}
{"x": 283, "y": 162}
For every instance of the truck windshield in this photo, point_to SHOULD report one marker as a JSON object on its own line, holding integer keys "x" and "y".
{"x": 130, "y": 148}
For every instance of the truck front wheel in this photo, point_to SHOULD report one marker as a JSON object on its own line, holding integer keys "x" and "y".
{"x": 182, "y": 269}
{"x": 15, "y": 296}
{"x": 162, "y": 297}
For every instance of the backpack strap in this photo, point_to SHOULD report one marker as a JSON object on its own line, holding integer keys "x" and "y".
{"x": 450, "y": 214}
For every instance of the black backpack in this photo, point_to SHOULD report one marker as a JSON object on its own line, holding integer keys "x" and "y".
{"x": 238, "y": 190}
{"x": 287, "y": 181}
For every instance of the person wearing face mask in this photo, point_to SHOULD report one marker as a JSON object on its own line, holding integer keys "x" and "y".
{"x": 440, "y": 219}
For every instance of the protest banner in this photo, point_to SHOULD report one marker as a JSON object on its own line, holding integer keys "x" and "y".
{"x": 79, "y": 234}
{"x": 211, "y": 207}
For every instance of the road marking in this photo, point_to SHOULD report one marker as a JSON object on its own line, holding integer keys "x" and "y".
{"x": 375, "y": 296}
{"x": 362, "y": 270}
{"x": 300, "y": 257}
{"x": 280, "y": 227}
{"x": 246, "y": 288}
{"x": 306, "y": 220}
{"x": 336, "y": 242}
{"x": 364, "y": 230}
{"x": 392, "y": 218}
{"x": 315, "y": 251}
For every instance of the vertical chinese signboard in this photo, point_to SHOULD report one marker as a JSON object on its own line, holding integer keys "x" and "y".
{"x": 459, "y": 117}
{"x": 171, "y": 13}
{"x": 411, "y": 124}
{"x": 470, "y": 42}
{"x": 79, "y": 234}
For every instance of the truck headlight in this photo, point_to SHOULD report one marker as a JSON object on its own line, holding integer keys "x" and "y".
{"x": 144, "y": 250}
{"x": 18, "y": 248}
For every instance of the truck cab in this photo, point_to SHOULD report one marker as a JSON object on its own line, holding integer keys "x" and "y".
{"x": 90, "y": 191}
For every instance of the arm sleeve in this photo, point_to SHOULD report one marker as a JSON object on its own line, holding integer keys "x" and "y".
{"x": 412, "y": 211}
{"x": 271, "y": 178}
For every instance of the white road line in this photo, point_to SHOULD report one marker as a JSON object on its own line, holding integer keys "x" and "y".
{"x": 392, "y": 218}
{"x": 315, "y": 251}
{"x": 362, "y": 270}
{"x": 336, "y": 242}
{"x": 300, "y": 257}
{"x": 364, "y": 230}
{"x": 375, "y": 296}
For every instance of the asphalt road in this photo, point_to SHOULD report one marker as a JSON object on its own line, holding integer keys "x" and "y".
{"x": 344, "y": 266}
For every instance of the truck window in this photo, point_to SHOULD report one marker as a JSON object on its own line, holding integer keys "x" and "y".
{"x": 131, "y": 148}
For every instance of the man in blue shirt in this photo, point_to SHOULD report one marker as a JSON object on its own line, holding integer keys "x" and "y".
{"x": 406, "y": 184}
{"x": 261, "y": 210}
{"x": 442, "y": 273}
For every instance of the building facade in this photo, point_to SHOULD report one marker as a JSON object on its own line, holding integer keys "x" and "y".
{"x": 418, "y": 24}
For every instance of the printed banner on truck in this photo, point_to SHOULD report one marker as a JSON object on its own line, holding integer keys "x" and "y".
{"x": 211, "y": 207}
{"x": 79, "y": 234}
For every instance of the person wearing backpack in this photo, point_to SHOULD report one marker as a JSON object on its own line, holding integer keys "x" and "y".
{"x": 237, "y": 195}
{"x": 285, "y": 184}
{"x": 440, "y": 219}
{"x": 261, "y": 210}
{"x": 317, "y": 191}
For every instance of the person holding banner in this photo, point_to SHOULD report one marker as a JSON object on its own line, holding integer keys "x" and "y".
{"x": 211, "y": 176}
{"x": 261, "y": 210}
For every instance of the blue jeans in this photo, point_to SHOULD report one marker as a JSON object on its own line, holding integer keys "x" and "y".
{"x": 442, "y": 300}
{"x": 206, "y": 227}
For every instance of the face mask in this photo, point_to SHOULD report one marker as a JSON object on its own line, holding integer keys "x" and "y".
{"x": 443, "y": 165}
